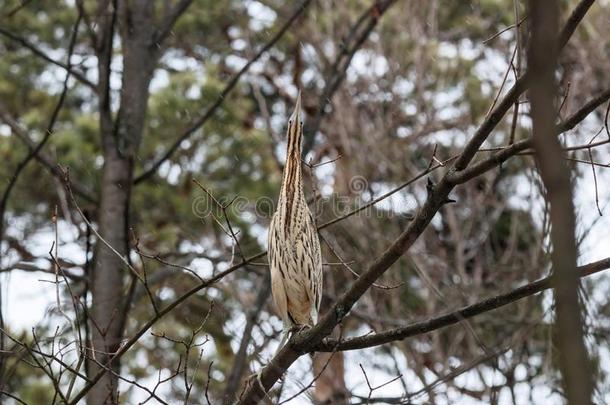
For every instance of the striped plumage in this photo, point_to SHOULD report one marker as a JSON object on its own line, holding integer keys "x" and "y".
{"x": 294, "y": 254}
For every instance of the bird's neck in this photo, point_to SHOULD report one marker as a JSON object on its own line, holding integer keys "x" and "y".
{"x": 291, "y": 195}
{"x": 292, "y": 186}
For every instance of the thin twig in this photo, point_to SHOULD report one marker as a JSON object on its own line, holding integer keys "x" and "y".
{"x": 508, "y": 69}
{"x": 207, "y": 384}
{"x": 371, "y": 388}
{"x": 595, "y": 181}
{"x": 510, "y": 27}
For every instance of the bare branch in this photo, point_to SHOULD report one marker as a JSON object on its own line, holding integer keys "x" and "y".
{"x": 371, "y": 388}
{"x": 510, "y": 27}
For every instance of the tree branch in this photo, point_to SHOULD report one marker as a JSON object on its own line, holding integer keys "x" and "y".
{"x": 504, "y": 154}
{"x": 170, "y": 19}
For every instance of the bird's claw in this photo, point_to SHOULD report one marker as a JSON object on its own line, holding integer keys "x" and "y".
{"x": 299, "y": 328}
{"x": 258, "y": 377}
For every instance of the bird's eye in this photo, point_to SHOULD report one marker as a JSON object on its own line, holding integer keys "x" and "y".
{"x": 290, "y": 122}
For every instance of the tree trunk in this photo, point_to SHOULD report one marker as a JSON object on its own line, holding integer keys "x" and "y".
{"x": 108, "y": 273}
{"x": 571, "y": 349}
{"x": 330, "y": 386}
{"x": 120, "y": 143}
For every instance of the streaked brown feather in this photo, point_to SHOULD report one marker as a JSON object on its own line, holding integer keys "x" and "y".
{"x": 295, "y": 259}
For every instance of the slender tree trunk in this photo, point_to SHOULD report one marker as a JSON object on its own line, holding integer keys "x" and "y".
{"x": 108, "y": 273}
{"x": 330, "y": 386}
{"x": 542, "y": 57}
{"x": 120, "y": 142}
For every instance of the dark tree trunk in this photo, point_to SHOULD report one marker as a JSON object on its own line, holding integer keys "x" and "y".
{"x": 330, "y": 387}
{"x": 571, "y": 349}
{"x": 120, "y": 142}
{"x": 108, "y": 273}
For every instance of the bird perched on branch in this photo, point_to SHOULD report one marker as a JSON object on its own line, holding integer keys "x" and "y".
{"x": 294, "y": 253}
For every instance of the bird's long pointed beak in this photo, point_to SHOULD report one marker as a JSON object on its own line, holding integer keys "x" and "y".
{"x": 296, "y": 115}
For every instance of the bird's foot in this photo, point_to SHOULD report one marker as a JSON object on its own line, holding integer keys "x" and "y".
{"x": 256, "y": 378}
{"x": 299, "y": 328}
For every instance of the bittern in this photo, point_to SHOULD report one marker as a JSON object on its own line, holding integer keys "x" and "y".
{"x": 294, "y": 253}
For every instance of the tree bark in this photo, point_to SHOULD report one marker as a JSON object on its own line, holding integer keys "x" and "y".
{"x": 542, "y": 57}
{"x": 120, "y": 142}
{"x": 330, "y": 386}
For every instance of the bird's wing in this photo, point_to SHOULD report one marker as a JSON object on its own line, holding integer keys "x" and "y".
{"x": 279, "y": 296}
{"x": 311, "y": 266}
{"x": 278, "y": 290}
